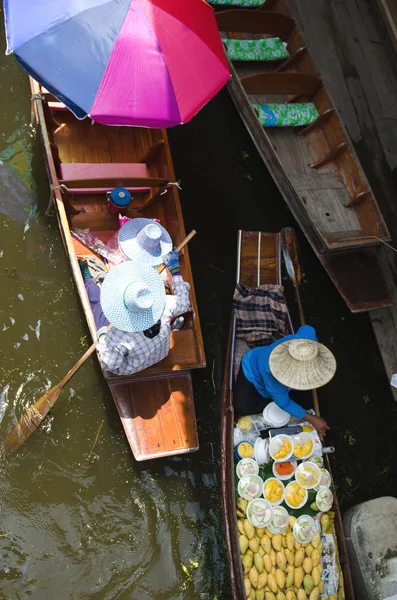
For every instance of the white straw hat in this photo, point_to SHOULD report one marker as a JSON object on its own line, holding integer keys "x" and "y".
{"x": 133, "y": 296}
{"x": 144, "y": 240}
{"x": 302, "y": 364}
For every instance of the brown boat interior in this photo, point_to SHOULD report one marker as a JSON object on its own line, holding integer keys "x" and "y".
{"x": 319, "y": 159}
{"x": 259, "y": 263}
{"x": 85, "y": 161}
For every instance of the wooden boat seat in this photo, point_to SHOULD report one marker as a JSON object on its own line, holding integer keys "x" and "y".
{"x": 247, "y": 21}
{"x": 296, "y": 84}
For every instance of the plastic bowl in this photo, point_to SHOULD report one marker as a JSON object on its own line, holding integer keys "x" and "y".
{"x": 279, "y": 521}
{"x": 308, "y": 475}
{"x": 273, "y": 481}
{"x": 243, "y": 451}
{"x": 276, "y": 444}
{"x": 261, "y": 451}
{"x": 304, "y": 497}
{"x": 299, "y": 441}
{"x": 304, "y": 529}
{"x": 325, "y": 481}
{"x": 250, "y": 487}
{"x": 324, "y": 499}
{"x": 284, "y": 477}
{"x": 247, "y": 466}
{"x": 275, "y": 416}
{"x": 259, "y": 520}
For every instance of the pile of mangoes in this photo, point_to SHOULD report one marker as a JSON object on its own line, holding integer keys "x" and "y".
{"x": 277, "y": 567}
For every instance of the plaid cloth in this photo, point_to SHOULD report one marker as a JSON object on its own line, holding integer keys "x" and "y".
{"x": 261, "y": 314}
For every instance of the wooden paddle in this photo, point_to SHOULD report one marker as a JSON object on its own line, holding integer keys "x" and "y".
{"x": 35, "y": 414}
{"x": 289, "y": 246}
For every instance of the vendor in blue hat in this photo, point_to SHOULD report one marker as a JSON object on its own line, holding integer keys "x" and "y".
{"x": 132, "y": 299}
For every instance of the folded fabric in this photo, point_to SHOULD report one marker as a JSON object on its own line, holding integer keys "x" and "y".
{"x": 286, "y": 115}
{"x": 266, "y": 49}
{"x": 248, "y": 3}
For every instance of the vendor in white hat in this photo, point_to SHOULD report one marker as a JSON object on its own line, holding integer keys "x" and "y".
{"x": 271, "y": 373}
{"x": 133, "y": 300}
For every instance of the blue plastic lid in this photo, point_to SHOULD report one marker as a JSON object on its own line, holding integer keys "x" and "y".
{"x": 120, "y": 197}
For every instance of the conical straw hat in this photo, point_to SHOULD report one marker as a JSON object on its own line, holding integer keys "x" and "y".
{"x": 302, "y": 364}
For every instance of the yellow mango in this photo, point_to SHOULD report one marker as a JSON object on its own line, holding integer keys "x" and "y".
{"x": 273, "y": 557}
{"x": 276, "y": 542}
{"x": 258, "y": 562}
{"x": 253, "y": 577}
{"x": 281, "y": 561}
{"x": 321, "y": 586}
{"x": 247, "y": 586}
{"x": 267, "y": 563}
{"x": 289, "y": 580}
{"x": 309, "y": 549}
{"x": 315, "y": 558}
{"x": 320, "y": 548}
{"x": 252, "y": 595}
{"x": 316, "y": 576}
{"x": 268, "y": 533}
{"x": 254, "y": 544}
{"x": 240, "y": 526}
{"x": 307, "y": 565}
{"x": 290, "y": 541}
{"x": 316, "y": 540}
{"x": 284, "y": 541}
{"x": 272, "y": 583}
{"x": 273, "y": 571}
{"x": 243, "y": 543}
{"x": 332, "y": 597}
{"x": 270, "y": 596}
{"x": 261, "y": 551}
{"x": 266, "y": 544}
{"x": 280, "y": 578}
{"x": 262, "y": 580}
{"x": 297, "y": 545}
{"x": 248, "y": 561}
{"x": 260, "y": 531}
{"x": 298, "y": 578}
{"x": 314, "y": 594}
{"x": 290, "y": 556}
{"x": 249, "y": 551}
{"x": 325, "y": 523}
{"x": 260, "y": 595}
{"x": 291, "y": 521}
{"x": 249, "y": 530}
{"x": 301, "y": 595}
{"x": 280, "y": 596}
{"x": 299, "y": 557}
{"x": 290, "y": 595}
{"x": 308, "y": 584}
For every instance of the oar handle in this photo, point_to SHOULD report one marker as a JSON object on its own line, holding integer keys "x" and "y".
{"x": 180, "y": 247}
{"x": 79, "y": 363}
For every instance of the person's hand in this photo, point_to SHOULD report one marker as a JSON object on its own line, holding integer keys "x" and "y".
{"x": 318, "y": 423}
{"x": 171, "y": 261}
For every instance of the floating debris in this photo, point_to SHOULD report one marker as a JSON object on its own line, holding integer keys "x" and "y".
{"x": 12, "y": 321}
{"x": 16, "y": 345}
{"x": 36, "y": 329}
{"x": 21, "y": 297}
{"x": 4, "y": 328}
{"x": 4, "y": 401}
{"x": 1, "y": 253}
{"x": 25, "y": 337}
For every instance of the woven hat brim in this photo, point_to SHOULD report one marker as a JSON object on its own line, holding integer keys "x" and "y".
{"x": 133, "y": 251}
{"x": 112, "y": 296}
{"x": 302, "y": 375}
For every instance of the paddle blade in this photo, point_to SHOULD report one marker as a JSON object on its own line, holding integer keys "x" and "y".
{"x": 289, "y": 246}
{"x": 30, "y": 420}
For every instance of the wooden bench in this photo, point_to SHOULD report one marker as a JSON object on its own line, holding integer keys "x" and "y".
{"x": 246, "y": 21}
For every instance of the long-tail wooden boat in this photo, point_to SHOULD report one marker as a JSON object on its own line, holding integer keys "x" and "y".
{"x": 258, "y": 263}
{"x": 315, "y": 167}
{"x": 84, "y": 161}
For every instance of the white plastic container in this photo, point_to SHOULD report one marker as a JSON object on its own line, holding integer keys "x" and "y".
{"x": 276, "y": 444}
{"x": 274, "y": 483}
{"x": 261, "y": 451}
{"x": 324, "y": 499}
{"x": 308, "y": 475}
{"x": 279, "y": 521}
{"x": 299, "y": 441}
{"x": 259, "y": 512}
{"x": 275, "y": 416}
{"x": 304, "y": 529}
{"x": 293, "y": 464}
{"x": 250, "y": 487}
{"x": 304, "y": 494}
{"x": 325, "y": 481}
{"x": 246, "y": 466}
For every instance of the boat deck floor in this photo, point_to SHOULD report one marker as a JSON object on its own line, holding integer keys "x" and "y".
{"x": 355, "y": 56}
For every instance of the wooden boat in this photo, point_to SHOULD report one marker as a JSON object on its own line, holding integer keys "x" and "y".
{"x": 258, "y": 263}
{"x": 156, "y": 406}
{"x": 315, "y": 167}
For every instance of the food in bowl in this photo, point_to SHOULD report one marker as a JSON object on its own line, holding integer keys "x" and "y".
{"x": 325, "y": 479}
{"x": 247, "y": 466}
{"x": 281, "y": 447}
{"x": 295, "y": 495}
{"x": 303, "y": 445}
{"x": 324, "y": 499}
{"x": 279, "y": 521}
{"x": 273, "y": 490}
{"x": 259, "y": 512}
{"x": 317, "y": 460}
{"x": 308, "y": 475}
{"x": 245, "y": 450}
{"x": 304, "y": 529}
{"x": 284, "y": 470}
{"x": 250, "y": 487}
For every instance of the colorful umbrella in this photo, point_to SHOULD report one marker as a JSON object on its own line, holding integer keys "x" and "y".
{"x": 150, "y": 63}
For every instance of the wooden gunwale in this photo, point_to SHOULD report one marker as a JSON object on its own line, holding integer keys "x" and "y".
{"x": 227, "y": 449}
{"x": 170, "y": 406}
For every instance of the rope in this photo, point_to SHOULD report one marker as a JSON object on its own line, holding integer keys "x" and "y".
{"x": 61, "y": 187}
{"x": 176, "y": 183}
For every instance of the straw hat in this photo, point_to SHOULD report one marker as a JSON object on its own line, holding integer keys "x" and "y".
{"x": 144, "y": 240}
{"x": 302, "y": 364}
{"x": 133, "y": 296}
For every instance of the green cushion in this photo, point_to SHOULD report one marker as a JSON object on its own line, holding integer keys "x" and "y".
{"x": 266, "y": 49}
{"x": 248, "y": 3}
{"x": 286, "y": 115}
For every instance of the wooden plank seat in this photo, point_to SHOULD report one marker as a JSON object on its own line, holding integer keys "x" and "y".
{"x": 298, "y": 84}
{"x": 246, "y": 21}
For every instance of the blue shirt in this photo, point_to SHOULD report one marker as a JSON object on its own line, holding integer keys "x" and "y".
{"x": 256, "y": 368}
